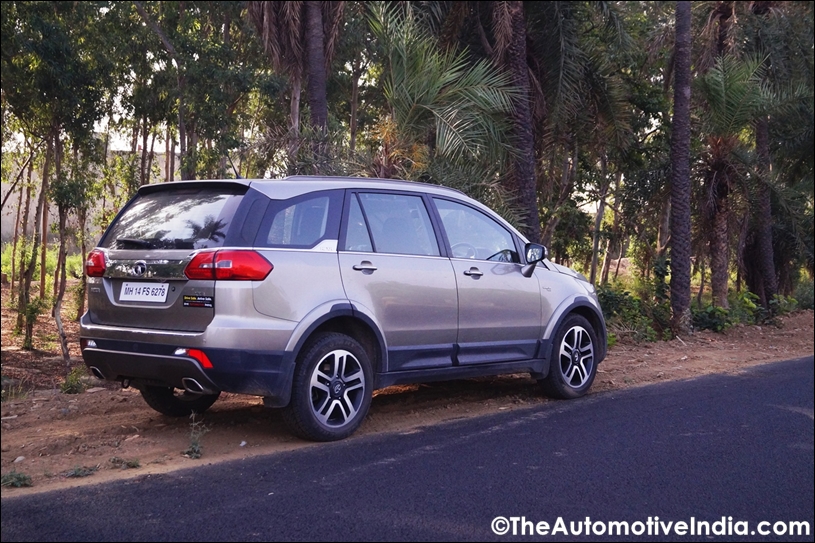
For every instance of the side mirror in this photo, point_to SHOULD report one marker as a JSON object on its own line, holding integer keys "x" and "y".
{"x": 534, "y": 253}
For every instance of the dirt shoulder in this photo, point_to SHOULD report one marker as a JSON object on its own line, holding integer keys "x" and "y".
{"x": 106, "y": 433}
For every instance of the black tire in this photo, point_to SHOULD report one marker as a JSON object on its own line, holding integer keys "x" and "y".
{"x": 332, "y": 389}
{"x": 176, "y": 403}
{"x": 573, "y": 363}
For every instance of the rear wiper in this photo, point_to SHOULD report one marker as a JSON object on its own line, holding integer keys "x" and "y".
{"x": 135, "y": 241}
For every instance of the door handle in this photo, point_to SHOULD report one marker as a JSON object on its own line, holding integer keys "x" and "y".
{"x": 365, "y": 267}
{"x": 474, "y": 272}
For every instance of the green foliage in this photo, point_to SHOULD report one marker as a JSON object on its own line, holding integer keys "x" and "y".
{"x": 745, "y": 308}
{"x": 197, "y": 431}
{"x": 782, "y": 305}
{"x": 123, "y": 463}
{"x": 73, "y": 263}
{"x": 711, "y": 318}
{"x": 73, "y": 383}
{"x": 626, "y": 315}
{"x": 805, "y": 294}
{"x": 16, "y": 479}
{"x": 82, "y": 471}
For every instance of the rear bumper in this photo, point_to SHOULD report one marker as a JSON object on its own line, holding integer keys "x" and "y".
{"x": 240, "y": 362}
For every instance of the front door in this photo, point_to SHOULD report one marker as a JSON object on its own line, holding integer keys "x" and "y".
{"x": 499, "y": 309}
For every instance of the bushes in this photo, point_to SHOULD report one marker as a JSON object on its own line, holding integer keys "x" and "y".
{"x": 805, "y": 294}
{"x": 626, "y": 315}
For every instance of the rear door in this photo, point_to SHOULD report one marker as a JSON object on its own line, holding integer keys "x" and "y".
{"x": 392, "y": 266}
{"x": 149, "y": 245}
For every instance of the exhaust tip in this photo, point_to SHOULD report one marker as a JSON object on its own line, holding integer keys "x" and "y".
{"x": 98, "y": 373}
{"x": 193, "y": 386}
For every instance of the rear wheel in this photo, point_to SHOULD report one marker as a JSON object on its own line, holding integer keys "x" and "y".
{"x": 574, "y": 359}
{"x": 174, "y": 402}
{"x": 331, "y": 393}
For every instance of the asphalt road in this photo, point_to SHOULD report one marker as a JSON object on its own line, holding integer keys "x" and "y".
{"x": 732, "y": 451}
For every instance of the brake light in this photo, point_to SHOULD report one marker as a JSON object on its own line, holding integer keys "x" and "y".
{"x": 96, "y": 264}
{"x": 202, "y": 266}
{"x": 229, "y": 266}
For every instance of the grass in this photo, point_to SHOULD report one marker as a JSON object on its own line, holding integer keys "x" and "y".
{"x": 15, "y": 389}
{"x": 16, "y": 479}
{"x": 125, "y": 464}
{"x": 81, "y": 471}
{"x": 197, "y": 431}
{"x": 73, "y": 382}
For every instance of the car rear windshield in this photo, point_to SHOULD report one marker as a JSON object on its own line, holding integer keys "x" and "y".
{"x": 181, "y": 218}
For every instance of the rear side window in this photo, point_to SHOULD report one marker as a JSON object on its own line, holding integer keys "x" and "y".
{"x": 301, "y": 222}
{"x": 181, "y": 218}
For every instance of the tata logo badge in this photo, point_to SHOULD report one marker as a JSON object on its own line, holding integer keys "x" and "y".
{"x": 139, "y": 268}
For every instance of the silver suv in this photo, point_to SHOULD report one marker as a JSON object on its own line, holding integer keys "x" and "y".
{"x": 313, "y": 292}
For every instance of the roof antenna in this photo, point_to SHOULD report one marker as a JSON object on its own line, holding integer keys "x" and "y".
{"x": 237, "y": 175}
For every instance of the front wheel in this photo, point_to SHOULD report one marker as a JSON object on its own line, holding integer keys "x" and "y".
{"x": 176, "y": 403}
{"x": 332, "y": 389}
{"x": 574, "y": 359}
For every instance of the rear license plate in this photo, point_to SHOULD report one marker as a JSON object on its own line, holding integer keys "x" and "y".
{"x": 143, "y": 292}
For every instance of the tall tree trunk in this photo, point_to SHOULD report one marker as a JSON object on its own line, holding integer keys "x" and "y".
{"x": 719, "y": 253}
{"x": 294, "y": 124}
{"x": 680, "y": 175}
{"x": 356, "y": 73}
{"x": 566, "y": 181}
{"x": 60, "y": 279}
{"x": 16, "y": 240}
{"x": 522, "y": 173}
{"x": 24, "y": 227}
{"x": 25, "y": 314}
{"x": 315, "y": 39}
{"x": 598, "y": 219}
{"x": 143, "y": 166}
{"x": 56, "y": 147}
{"x": 764, "y": 218}
{"x": 82, "y": 218}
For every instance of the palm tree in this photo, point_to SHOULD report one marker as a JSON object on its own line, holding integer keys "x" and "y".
{"x": 299, "y": 38}
{"x": 448, "y": 115}
{"x": 509, "y": 23}
{"x": 734, "y": 96}
{"x": 680, "y": 174}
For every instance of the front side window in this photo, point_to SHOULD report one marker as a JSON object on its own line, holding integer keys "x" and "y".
{"x": 398, "y": 224}
{"x": 474, "y": 235}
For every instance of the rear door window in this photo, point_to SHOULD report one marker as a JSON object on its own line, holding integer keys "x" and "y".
{"x": 398, "y": 224}
{"x": 181, "y": 218}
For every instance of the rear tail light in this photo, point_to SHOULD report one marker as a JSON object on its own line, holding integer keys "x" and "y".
{"x": 229, "y": 266}
{"x": 96, "y": 263}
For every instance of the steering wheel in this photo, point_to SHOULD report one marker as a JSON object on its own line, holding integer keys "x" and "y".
{"x": 505, "y": 255}
{"x": 464, "y": 250}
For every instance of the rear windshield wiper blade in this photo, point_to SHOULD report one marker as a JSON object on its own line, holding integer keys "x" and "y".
{"x": 135, "y": 241}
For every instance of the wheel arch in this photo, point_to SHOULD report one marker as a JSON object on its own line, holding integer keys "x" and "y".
{"x": 344, "y": 319}
{"x": 582, "y": 306}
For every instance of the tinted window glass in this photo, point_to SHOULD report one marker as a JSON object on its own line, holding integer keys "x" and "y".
{"x": 472, "y": 234}
{"x": 399, "y": 224}
{"x": 357, "y": 237}
{"x": 301, "y": 222}
{"x": 181, "y": 218}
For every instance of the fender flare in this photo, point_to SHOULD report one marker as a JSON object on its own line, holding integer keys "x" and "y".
{"x": 326, "y": 312}
{"x": 565, "y": 309}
